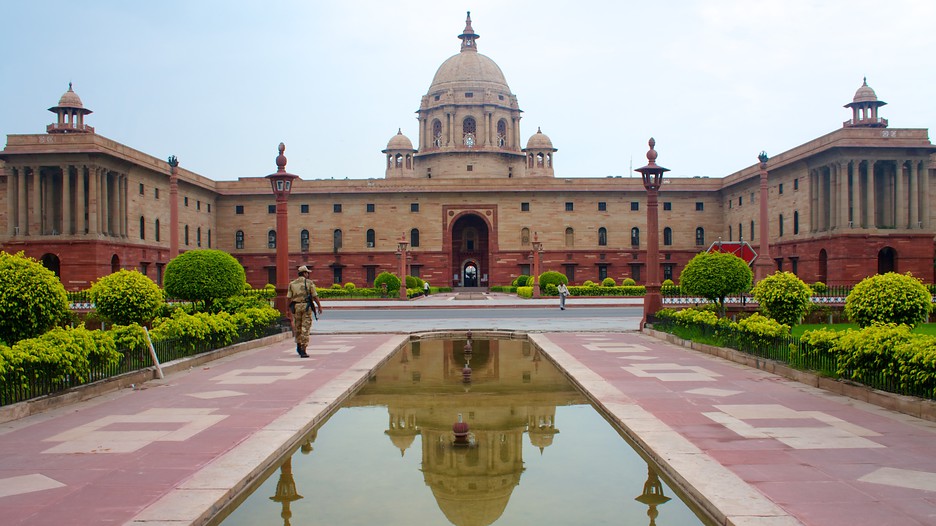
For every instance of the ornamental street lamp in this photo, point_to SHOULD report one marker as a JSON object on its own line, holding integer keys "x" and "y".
{"x": 281, "y": 183}
{"x": 652, "y": 175}
{"x": 401, "y": 251}
{"x": 762, "y": 263}
{"x": 535, "y": 255}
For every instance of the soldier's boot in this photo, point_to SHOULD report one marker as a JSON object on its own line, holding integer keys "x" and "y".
{"x": 302, "y": 351}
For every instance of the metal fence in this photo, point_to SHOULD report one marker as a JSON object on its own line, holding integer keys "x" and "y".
{"x": 36, "y": 380}
{"x": 797, "y": 354}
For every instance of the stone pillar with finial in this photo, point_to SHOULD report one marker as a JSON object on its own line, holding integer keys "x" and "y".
{"x": 173, "y": 207}
{"x": 652, "y": 175}
{"x": 281, "y": 183}
{"x": 763, "y": 265}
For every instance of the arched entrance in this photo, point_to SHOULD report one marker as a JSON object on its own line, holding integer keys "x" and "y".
{"x": 115, "y": 264}
{"x": 887, "y": 260}
{"x": 823, "y": 266}
{"x": 470, "y": 249}
{"x": 52, "y": 262}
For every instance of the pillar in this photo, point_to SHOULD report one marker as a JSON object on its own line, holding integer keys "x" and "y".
{"x": 105, "y": 203}
{"x": 11, "y": 202}
{"x": 813, "y": 201}
{"x": 35, "y": 219}
{"x": 81, "y": 208}
{"x": 900, "y": 197}
{"x": 871, "y": 219}
{"x": 914, "y": 194}
{"x": 842, "y": 220}
{"x": 94, "y": 225}
{"x": 923, "y": 171}
{"x": 66, "y": 200}
{"x": 22, "y": 221}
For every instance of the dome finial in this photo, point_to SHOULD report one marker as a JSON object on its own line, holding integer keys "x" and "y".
{"x": 281, "y": 159}
{"x": 468, "y": 36}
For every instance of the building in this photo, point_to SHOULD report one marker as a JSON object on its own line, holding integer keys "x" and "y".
{"x": 470, "y": 199}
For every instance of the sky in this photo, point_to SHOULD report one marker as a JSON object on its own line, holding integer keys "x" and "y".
{"x": 220, "y": 83}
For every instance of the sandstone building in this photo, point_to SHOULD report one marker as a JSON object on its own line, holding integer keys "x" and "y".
{"x": 470, "y": 198}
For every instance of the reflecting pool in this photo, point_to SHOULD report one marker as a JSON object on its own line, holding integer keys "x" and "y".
{"x": 471, "y": 434}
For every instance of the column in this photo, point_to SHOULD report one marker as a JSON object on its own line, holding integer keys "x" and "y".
{"x": 22, "y": 221}
{"x": 122, "y": 203}
{"x": 923, "y": 172}
{"x": 870, "y": 212}
{"x": 813, "y": 201}
{"x": 66, "y": 201}
{"x": 833, "y": 196}
{"x": 11, "y": 202}
{"x": 93, "y": 220}
{"x": 823, "y": 200}
{"x": 900, "y": 197}
{"x": 914, "y": 194}
{"x": 79, "y": 200}
{"x": 843, "y": 194}
{"x": 35, "y": 219}
{"x": 105, "y": 203}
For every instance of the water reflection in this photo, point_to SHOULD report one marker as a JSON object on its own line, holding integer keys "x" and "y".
{"x": 463, "y": 407}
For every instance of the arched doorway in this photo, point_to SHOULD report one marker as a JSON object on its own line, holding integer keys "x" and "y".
{"x": 52, "y": 262}
{"x": 823, "y": 266}
{"x": 115, "y": 263}
{"x": 887, "y": 260}
{"x": 470, "y": 249}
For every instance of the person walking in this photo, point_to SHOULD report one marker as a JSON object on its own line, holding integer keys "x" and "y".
{"x": 563, "y": 292}
{"x": 425, "y": 288}
{"x": 302, "y": 300}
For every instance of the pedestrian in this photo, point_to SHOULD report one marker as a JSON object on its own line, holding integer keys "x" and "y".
{"x": 425, "y": 288}
{"x": 563, "y": 292}
{"x": 302, "y": 300}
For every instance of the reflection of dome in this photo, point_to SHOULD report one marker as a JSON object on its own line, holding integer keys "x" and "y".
{"x": 402, "y": 441}
{"x": 542, "y": 438}
{"x": 865, "y": 93}
{"x": 539, "y": 141}
{"x": 474, "y": 502}
{"x": 399, "y": 142}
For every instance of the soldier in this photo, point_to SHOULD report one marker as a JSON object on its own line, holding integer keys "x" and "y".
{"x": 301, "y": 295}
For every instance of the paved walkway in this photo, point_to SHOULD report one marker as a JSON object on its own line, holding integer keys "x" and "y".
{"x": 755, "y": 448}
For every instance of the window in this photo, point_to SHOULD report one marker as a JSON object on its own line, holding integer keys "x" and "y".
{"x": 156, "y": 192}
{"x": 635, "y": 206}
{"x": 209, "y": 208}
{"x": 570, "y": 272}
{"x": 371, "y": 238}
{"x": 524, "y": 207}
{"x": 303, "y": 209}
{"x": 336, "y": 239}
{"x": 602, "y": 206}
{"x": 602, "y": 272}
{"x": 740, "y": 200}
{"x": 667, "y": 236}
{"x": 239, "y": 239}
{"x": 156, "y": 230}
{"x": 524, "y": 236}
{"x": 142, "y": 228}
{"x": 699, "y": 206}
{"x": 667, "y": 205}
{"x": 794, "y": 264}
{"x": 469, "y": 129}
{"x": 198, "y": 205}
{"x": 239, "y": 209}
{"x": 668, "y": 271}
{"x": 271, "y": 209}
{"x": 414, "y": 238}
{"x": 602, "y": 237}
{"x": 752, "y": 231}
{"x": 209, "y": 238}
{"x": 186, "y": 201}
{"x": 304, "y": 241}
{"x": 729, "y": 234}
{"x": 370, "y": 208}
{"x": 414, "y": 207}
{"x": 569, "y": 206}
{"x": 198, "y": 236}
{"x": 700, "y": 236}
{"x": 186, "y": 235}
{"x": 740, "y": 233}
{"x": 635, "y": 237}
{"x": 141, "y": 189}
{"x": 781, "y": 225}
{"x": 370, "y": 274}
{"x": 271, "y": 239}
{"x": 469, "y": 168}
{"x": 569, "y": 237}
{"x": 469, "y": 95}
{"x": 336, "y": 275}
{"x": 635, "y": 272}
{"x": 795, "y": 184}
{"x": 780, "y": 188}
{"x": 795, "y": 224}
{"x": 336, "y": 208}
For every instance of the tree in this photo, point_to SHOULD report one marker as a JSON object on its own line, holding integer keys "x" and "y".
{"x": 388, "y": 283}
{"x": 32, "y": 299}
{"x": 889, "y": 298}
{"x": 204, "y": 275}
{"x": 126, "y": 297}
{"x": 714, "y": 276}
{"x": 551, "y": 277}
{"x": 783, "y": 296}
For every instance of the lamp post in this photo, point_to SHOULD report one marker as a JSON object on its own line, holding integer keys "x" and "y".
{"x": 401, "y": 250}
{"x": 281, "y": 183}
{"x": 535, "y": 255}
{"x": 652, "y": 175}
{"x": 173, "y": 207}
{"x": 762, "y": 264}
{"x": 652, "y": 495}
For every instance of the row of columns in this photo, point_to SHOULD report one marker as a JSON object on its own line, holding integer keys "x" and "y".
{"x": 66, "y": 200}
{"x": 869, "y": 193}
{"x": 486, "y": 133}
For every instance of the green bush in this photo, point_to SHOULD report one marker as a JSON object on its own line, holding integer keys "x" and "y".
{"x": 334, "y": 286}
{"x": 204, "y": 275}
{"x": 126, "y": 297}
{"x": 783, "y": 296}
{"x": 525, "y": 292}
{"x": 870, "y": 350}
{"x": 628, "y": 282}
{"x": 389, "y": 283}
{"x": 714, "y": 276}
{"x": 349, "y": 286}
{"x": 762, "y": 331}
{"x": 216, "y": 330}
{"x": 60, "y": 355}
{"x": 129, "y": 337}
{"x": 238, "y": 303}
{"x": 889, "y": 298}
{"x": 819, "y": 287}
{"x": 667, "y": 283}
{"x": 520, "y": 281}
{"x": 412, "y": 282}
{"x": 32, "y": 299}
{"x": 608, "y": 282}
{"x": 551, "y": 277}
{"x": 581, "y": 290}
{"x": 816, "y": 345}
{"x": 588, "y": 283}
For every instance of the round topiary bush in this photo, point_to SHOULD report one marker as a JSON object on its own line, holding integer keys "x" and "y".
{"x": 204, "y": 275}
{"x": 412, "y": 282}
{"x": 388, "y": 283}
{"x": 783, "y": 296}
{"x": 714, "y": 276}
{"x": 349, "y": 286}
{"x": 551, "y": 277}
{"x": 588, "y": 283}
{"x": 126, "y": 297}
{"x": 889, "y": 298}
{"x": 667, "y": 283}
{"x": 819, "y": 287}
{"x": 608, "y": 282}
{"x": 520, "y": 281}
{"x": 32, "y": 299}
{"x": 628, "y": 282}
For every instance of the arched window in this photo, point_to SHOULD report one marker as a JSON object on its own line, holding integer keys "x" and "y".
{"x": 667, "y": 236}
{"x": 570, "y": 237}
{"x": 336, "y": 239}
{"x": 304, "y": 240}
{"x": 271, "y": 239}
{"x": 548, "y": 160}
{"x": 437, "y": 133}
{"x": 530, "y": 161}
{"x": 502, "y": 133}
{"x": 198, "y": 236}
{"x": 371, "y": 238}
{"x": 781, "y": 224}
{"x": 239, "y": 239}
{"x": 469, "y": 131}
{"x": 795, "y": 223}
{"x": 409, "y": 162}
{"x": 142, "y": 228}
{"x": 539, "y": 160}
{"x": 602, "y": 237}
{"x": 524, "y": 236}
{"x": 399, "y": 160}
{"x": 635, "y": 237}
{"x": 389, "y": 160}
{"x": 414, "y": 237}
{"x": 156, "y": 230}
{"x": 186, "y": 235}
{"x": 700, "y": 236}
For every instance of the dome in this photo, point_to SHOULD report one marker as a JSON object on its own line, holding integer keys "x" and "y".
{"x": 70, "y": 99}
{"x": 399, "y": 142}
{"x": 539, "y": 141}
{"x": 865, "y": 93}
{"x": 469, "y": 68}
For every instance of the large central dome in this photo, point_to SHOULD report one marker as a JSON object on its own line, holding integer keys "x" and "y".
{"x": 469, "y": 69}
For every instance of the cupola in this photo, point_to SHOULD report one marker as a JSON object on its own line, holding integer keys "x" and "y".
{"x": 399, "y": 154}
{"x": 539, "y": 155}
{"x": 865, "y": 109}
{"x": 70, "y": 113}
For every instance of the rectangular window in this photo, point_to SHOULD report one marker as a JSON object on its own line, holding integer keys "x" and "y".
{"x": 699, "y": 206}
{"x": 569, "y": 206}
{"x": 668, "y": 271}
{"x": 524, "y": 207}
{"x": 336, "y": 208}
{"x": 795, "y": 184}
{"x": 303, "y": 209}
{"x": 740, "y": 200}
{"x": 469, "y": 95}
{"x": 570, "y": 272}
{"x": 602, "y": 272}
{"x": 271, "y": 209}
{"x": 780, "y": 188}
{"x": 470, "y": 168}
{"x": 370, "y": 274}
{"x": 667, "y": 205}
{"x": 602, "y": 206}
{"x": 186, "y": 201}
{"x": 336, "y": 275}
{"x": 525, "y": 269}
{"x": 141, "y": 193}
{"x": 370, "y": 208}
{"x": 635, "y": 206}
{"x": 156, "y": 192}
{"x": 209, "y": 208}
{"x": 414, "y": 207}
{"x": 239, "y": 209}
{"x": 197, "y": 205}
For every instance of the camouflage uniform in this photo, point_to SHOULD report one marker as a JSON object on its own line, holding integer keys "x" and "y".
{"x": 299, "y": 289}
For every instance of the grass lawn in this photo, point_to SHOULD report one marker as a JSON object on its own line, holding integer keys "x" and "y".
{"x": 798, "y": 330}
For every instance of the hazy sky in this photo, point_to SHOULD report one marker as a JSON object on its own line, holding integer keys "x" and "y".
{"x": 220, "y": 83}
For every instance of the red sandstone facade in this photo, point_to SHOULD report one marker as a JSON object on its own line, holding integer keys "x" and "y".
{"x": 843, "y": 206}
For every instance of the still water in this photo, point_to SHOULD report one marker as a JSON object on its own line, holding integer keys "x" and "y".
{"x": 536, "y": 452}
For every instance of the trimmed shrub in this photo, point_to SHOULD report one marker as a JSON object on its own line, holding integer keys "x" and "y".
{"x": 628, "y": 282}
{"x": 608, "y": 282}
{"x": 61, "y": 354}
{"x": 32, "y": 299}
{"x": 889, "y": 298}
{"x": 126, "y": 297}
{"x": 819, "y": 287}
{"x": 519, "y": 281}
{"x": 349, "y": 286}
{"x": 412, "y": 282}
{"x": 388, "y": 284}
{"x": 525, "y": 292}
{"x": 667, "y": 283}
{"x": 551, "y": 277}
{"x": 714, "y": 276}
{"x": 204, "y": 275}
{"x": 783, "y": 296}
{"x": 588, "y": 283}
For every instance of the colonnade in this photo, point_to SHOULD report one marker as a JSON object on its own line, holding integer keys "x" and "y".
{"x": 485, "y": 134}
{"x": 869, "y": 193}
{"x": 66, "y": 199}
